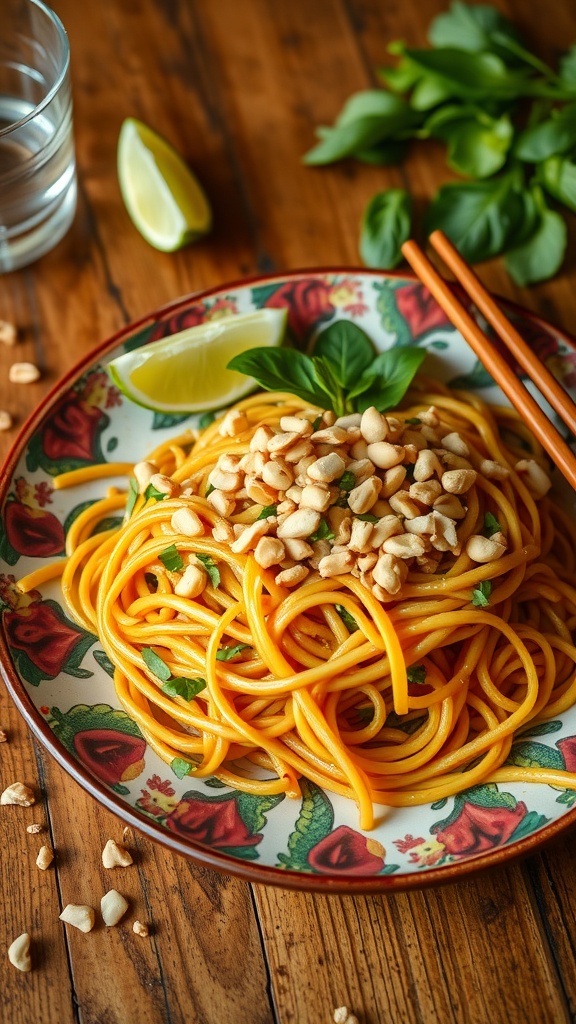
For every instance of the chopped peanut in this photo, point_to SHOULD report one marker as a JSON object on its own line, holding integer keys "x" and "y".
{"x": 115, "y": 856}
{"x": 269, "y": 551}
{"x": 19, "y": 953}
{"x": 18, "y": 794}
{"x": 113, "y": 907}
{"x": 79, "y": 916}
{"x": 141, "y": 929}
{"x": 186, "y": 522}
{"x": 44, "y": 858}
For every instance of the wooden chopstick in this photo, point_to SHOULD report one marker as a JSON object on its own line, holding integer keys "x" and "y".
{"x": 497, "y": 367}
{"x": 546, "y": 383}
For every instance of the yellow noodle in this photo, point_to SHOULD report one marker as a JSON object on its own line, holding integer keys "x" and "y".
{"x": 423, "y": 699}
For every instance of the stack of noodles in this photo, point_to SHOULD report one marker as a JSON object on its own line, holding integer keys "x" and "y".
{"x": 397, "y": 692}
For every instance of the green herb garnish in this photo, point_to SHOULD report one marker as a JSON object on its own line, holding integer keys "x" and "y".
{"x": 181, "y": 686}
{"x": 416, "y": 674}
{"x": 132, "y": 497}
{"x": 348, "y": 619}
{"x": 491, "y": 525}
{"x": 481, "y": 594}
{"x": 180, "y": 767}
{"x": 267, "y": 511}
{"x": 153, "y": 492}
{"x": 209, "y": 490}
{"x": 508, "y": 122}
{"x": 171, "y": 559}
{"x": 227, "y": 653}
{"x": 346, "y": 482}
{"x": 157, "y": 666}
{"x": 344, "y": 373}
{"x": 211, "y": 568}
{"x": 322, "y": 533}
{"x": 367, "y": 517}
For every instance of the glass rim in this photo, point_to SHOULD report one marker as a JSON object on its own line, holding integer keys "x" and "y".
{"x": 63, "y": 35}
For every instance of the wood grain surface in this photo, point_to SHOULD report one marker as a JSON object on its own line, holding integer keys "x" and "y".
{"x": 238, "y": 86}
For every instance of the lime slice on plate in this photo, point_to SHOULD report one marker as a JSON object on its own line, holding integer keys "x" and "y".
{"x": 163, "y": 198}
{"x": 187, "y": 371}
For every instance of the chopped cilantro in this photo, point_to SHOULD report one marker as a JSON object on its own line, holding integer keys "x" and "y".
{"x": 171, "y": 558}
{"x": 368, "y": 517}
{"x": 227, "y": 653}
{"x": 181, "y": 686}
{"x": 414, "y": 421}
{"x": 365, "y": 714}
{"x": 417, "y": 674}
{"x": 153, "y": 492}
{"x": 209, "y": 490}
{"x": 180, "y": 767}
{"x": 347, "y": 481}
{"x": 132, "y": 496}
{"x": 491, "y": 525}
{"x": 211, "y": 568}
{"x": 348, "y": 620}
{"x": 322, "y": 533}
{"x": 481, "y": 594}
{"x": 267, "y": 511}
{"x": 157, "y": 666}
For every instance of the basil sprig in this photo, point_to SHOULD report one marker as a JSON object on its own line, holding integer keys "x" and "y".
{"x": 344, "y": 373}
{"x": 508, "y": 121}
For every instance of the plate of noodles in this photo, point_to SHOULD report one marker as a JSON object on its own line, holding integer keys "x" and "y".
{"x": 321, "y": 651}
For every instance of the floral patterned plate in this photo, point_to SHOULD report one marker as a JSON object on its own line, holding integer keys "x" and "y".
{"x": 60, "y": 679}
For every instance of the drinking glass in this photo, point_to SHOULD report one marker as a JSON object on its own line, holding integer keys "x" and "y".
{"x": 37, "y": 165}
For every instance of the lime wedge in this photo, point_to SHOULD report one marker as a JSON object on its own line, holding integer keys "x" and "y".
{"x": 187, "y": 372}
{"x": 161, "y": 194}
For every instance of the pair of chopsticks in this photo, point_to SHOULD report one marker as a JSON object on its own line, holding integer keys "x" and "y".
{"x": 552, "y": 442}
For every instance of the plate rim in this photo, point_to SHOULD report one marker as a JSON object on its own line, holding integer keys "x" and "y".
{"x": 206, "y": 856}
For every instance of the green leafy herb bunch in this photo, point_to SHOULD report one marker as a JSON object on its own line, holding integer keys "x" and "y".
{"x": 508, "y": 121}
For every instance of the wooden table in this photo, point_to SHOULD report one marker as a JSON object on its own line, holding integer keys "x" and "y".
{"x": 238, "y": 86}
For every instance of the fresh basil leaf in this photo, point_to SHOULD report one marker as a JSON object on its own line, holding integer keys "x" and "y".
{"x": 367, "y": 517}
{"x": 394, "y": 370}
{"x": 227, "y": 653}
{"x": 322, "y": 533}
{"x": 479, "y": 217}
{"x": 429, "y": 92}
{"x": 181, "y": 686}
{"x": 154, "y": 662}
{"x": 366, "y": 381}
{"x": 153, "y": 492}
{"x": 348, "y": 349}
{"x": 211, "y": 568}
{"x": 180, "y": 767}
{"x": 267, "y": 511}
{"x": 475, "y": 76}
{"x": 132, "y": 497}
{"x": 491, "y": 525}
{"x": 386, "y": 153}
{"x": 416, "y": 674}
{"x": 481, "y": 594}
{"x": 404, "y": 75}
{"x": 366, "y": 119}
{"x": 552, "y": 137}
{"x": 326, "y": 379}
{"x": 348, "y": 620}
{"x": 469, "y": 27}
{"x": 557, "y": 175}
{"x": 541, "y": 255}
{"x": 477, "y": 145}
{"x": 171, "y": 559}
{"x": 386, "y": 225}
{"x": 281, "y": 369}
{"x": 567, "y": 67}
